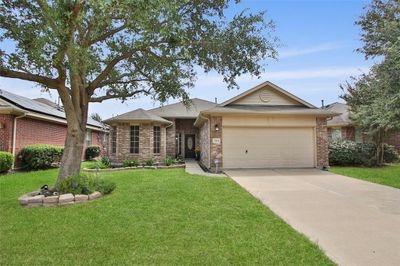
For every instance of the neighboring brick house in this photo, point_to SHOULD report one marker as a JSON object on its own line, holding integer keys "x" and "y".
{"x": 24, "y": 121}
{"x": 341, "y": 127}
{"x": 264, "y": 127}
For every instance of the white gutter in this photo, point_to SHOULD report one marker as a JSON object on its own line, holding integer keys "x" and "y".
{"x": 14, "y": 147}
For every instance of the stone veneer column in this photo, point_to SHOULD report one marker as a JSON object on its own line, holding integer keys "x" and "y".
{"x": 216, "y": 149}
{"x": 322, "y": 142}
{"x": 170, "y": 139}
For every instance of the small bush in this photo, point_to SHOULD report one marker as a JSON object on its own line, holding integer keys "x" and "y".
{"x": 40, "y": 156}
{"x": 130, "y": 163}
{"x": 149, "y": 163}
{"x": 106, "y": 161}
{"x": 351, "y": 153}
{"x": 390, "y": 154}
{"x": 105, "y": 186}
{"x": 85, "y": 184}
{"x": 169, "y": 161}
{"x": 92, "y": 152}
{"x": 6, "y": 161}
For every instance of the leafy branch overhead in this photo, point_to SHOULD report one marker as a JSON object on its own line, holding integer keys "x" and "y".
{"x": 91, "y": 51}
{"x": 374, "y": 98}
{"x": 122, "y": 49}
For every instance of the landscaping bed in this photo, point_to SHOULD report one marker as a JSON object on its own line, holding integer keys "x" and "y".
{"x": 120, "y": 167}
{"x": 36, "y": 199}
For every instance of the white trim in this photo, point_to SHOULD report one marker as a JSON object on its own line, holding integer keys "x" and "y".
{"x": 262, "y": 85}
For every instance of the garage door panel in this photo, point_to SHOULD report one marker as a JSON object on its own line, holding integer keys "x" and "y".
{"x": 268, "y": 147}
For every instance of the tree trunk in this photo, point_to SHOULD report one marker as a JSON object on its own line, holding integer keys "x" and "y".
{"x": 72, "y": 156}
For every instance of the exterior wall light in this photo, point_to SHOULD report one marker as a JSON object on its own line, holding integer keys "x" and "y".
{"x": 216, "y": 127}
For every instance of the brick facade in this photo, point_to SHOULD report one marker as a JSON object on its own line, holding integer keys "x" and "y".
{"x": 322, "y": 142}
{"x": 216, "y": 149}
{"x": 170, "y": 140}
{"x": 394, "y": 140}
{"x": 204, "y": 144}
{"x": 6, "y": 132}
{"x": 145, "y": 143}
{"x": 33, "y": 131}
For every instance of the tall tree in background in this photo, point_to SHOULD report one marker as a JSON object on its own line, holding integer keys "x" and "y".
{"x": 374, "y": 98}
{"x": 94, "y": 50}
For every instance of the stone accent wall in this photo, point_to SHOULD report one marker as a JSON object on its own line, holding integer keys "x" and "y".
{"x": 145, "y": 143}
{"x": 216, "y": 149}
{"x": 6, "y": 129}
{"x": 322, "y": 142}
{"x": 204, "y": 144}
{"x": 170, "y": 140}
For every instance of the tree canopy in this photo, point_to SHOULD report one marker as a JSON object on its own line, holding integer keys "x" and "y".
{"x": 120, "y": 49}
{"x": 374, "y": 98}
{"x": 94, "y": 50}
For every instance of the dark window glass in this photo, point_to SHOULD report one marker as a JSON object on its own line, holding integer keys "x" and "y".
{"x": 134, "y": 139}
{"x": 156, "y": 139}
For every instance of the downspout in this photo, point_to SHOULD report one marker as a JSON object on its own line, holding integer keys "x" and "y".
{"x": 14, "y": 147}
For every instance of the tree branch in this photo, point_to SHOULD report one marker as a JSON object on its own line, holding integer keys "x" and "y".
{"x": 106, "y": 35}
{"x": 48, "y": 82}
{"x": 95, "y": 83}
{"x": 113, "y": 96}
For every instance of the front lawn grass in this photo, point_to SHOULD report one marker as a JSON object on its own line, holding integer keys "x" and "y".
{"x": 154, "y": 217}
{"x": 388, "y": 175}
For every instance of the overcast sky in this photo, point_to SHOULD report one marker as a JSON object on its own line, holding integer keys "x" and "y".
{"x": 317, "y": 54}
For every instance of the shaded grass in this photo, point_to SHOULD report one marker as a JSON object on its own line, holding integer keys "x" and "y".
{"x": 162, "y": 217}
{"x": 388, "y": 175}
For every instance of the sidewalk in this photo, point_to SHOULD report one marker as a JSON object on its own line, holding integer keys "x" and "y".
{"x": 193, "y": 168}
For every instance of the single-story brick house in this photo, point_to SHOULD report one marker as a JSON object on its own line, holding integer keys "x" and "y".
{"x": 25, "y": 121}
{"x": 264, "y": 127}
{"x": 341, "y": 127}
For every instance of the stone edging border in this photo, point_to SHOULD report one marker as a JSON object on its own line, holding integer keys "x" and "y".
{"x": 32, "y": 199}
{"x": 135, "y": 168}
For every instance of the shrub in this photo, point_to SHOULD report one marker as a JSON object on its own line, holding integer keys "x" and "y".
{"x": 130, "y": 163}
{"x": 149, "y": 163}
{"x": 40, "y": 156}
{"x": 6, "y": 161}
{"x": 351, "y": 153}
{"x": 168, "y": 161}
{"x": 106, "y": 161}
{"x": 92, "y": 152}
{"x": 105, "y": 186}
{"x": 390, "y": 154}
{"x": 85, "y": 184}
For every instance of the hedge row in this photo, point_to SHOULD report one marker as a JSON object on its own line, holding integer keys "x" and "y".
{"x": 6, "y": 161}
{"x": 352, "y": 153}
{"x": 92, "y": 152}
{"x": 40, "y": 156}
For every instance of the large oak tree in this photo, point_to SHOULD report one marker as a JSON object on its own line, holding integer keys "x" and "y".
{"x": 94, "y": 50}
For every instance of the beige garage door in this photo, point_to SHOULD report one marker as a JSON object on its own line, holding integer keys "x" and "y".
{"x": 268, "y": 147}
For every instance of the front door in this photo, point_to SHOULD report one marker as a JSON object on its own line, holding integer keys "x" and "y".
{"x": 189, "y": 146}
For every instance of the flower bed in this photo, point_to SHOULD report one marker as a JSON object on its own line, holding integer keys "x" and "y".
{"x": 119, "y": 168}
{"x": 35, "y": 199}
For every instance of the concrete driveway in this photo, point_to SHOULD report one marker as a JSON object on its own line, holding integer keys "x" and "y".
{"x": 353, "y": 221}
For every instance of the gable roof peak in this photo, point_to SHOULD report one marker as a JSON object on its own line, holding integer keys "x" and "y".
{"x": 262, "y": 86}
